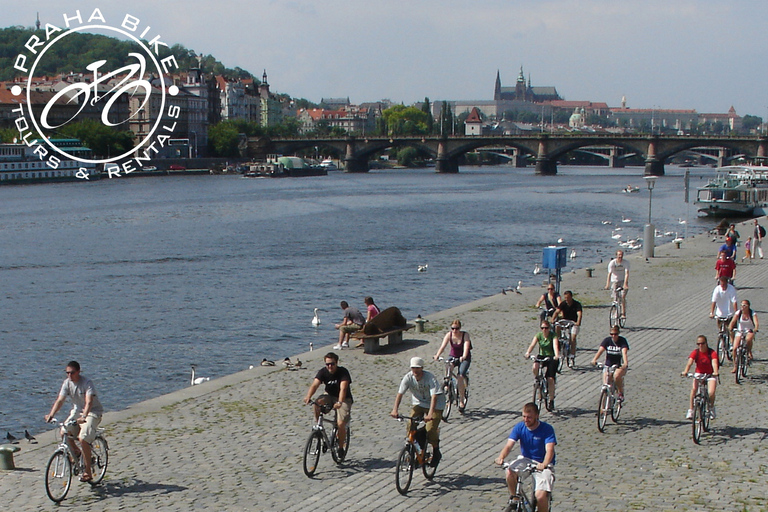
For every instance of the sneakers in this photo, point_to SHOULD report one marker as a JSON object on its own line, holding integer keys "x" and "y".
{"x": 571, "y": 362}
{"x": 339, "y": 347}
{"x": 436, "y": 458}
{"x": 689, "y": 414}
{"x": 340, "y": 452}
{"x": 621, "y": 397}
{"x": 552, "y": 405}
{"x": 345, "y": 344}
{"x": 712, "y": 413}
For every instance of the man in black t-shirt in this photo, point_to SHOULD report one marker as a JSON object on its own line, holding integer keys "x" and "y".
{"x": 570, "y": 309}
{"x": 337, "y": 382}
{"x": 616, "y": 351}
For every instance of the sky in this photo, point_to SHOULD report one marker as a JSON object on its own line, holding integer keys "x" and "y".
{"x": 669, "y": 54}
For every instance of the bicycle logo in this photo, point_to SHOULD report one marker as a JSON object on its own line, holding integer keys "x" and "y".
{"x": 125, "y": 85}
{"x": 100, "y": 94}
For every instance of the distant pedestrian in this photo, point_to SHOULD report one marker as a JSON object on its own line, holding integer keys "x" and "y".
{"x": 757, "y": 241}
{"x": 352, "y": 321}
{"x": 747, "y": 249}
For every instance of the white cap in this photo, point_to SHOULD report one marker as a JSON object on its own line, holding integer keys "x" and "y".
{"x": 417, "y": 362}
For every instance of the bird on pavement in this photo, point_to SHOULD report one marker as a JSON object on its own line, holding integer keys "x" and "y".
{"x": 10, "y": 437}
{"x": 30, "y": 437}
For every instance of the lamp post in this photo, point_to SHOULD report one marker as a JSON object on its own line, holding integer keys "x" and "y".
{"x": 649, "y": 233}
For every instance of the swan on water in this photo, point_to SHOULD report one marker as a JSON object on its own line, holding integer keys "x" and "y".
{"x": 198, "y": 380}
{"x": 573, "y": 254}
{"x": 423, "y": 268}
{"x": 536, "y": 270}
{"x": 624, "y": 219}
{"x": 316, "y": 319}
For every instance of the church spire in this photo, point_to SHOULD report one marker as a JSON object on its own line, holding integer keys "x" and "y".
{"x": 497, "y": 87}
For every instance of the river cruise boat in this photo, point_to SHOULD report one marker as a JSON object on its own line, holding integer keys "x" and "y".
{"x": 20, "y": 164}
{"x": 736, "y": 191}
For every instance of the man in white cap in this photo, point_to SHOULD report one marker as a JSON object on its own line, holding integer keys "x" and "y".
{"x": 428, "y": 400}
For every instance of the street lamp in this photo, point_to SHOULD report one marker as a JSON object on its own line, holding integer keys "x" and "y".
{"x": 649, "y": 234}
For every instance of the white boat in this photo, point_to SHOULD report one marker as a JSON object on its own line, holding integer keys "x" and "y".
{"x": 20, "y": 163}
{"x": 737, "y": 190}
{"x": 329, "y": 165}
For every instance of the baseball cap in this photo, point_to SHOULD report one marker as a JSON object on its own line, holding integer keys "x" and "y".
{"x": 417, "y": 362}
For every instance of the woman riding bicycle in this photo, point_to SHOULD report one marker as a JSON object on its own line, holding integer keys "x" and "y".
{"x": 461, "y": 353}
{"x": 744, "y": 321}
{"x": 547, "y": 348}
{"x": 551, "y": 300}
{"x": 707, "y": 363}
{"x": 616, "y": 349}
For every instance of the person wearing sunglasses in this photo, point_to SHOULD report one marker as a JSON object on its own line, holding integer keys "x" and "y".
{"x": 707, "y": 364}
{"x": 548, "y": 347}
{"x": 616, "y": 351}
{"x": 460, "y": 355}
{"x": 551, "y": 300}
{"x": 86, "y": 408}
{"x": 337, "y": 382}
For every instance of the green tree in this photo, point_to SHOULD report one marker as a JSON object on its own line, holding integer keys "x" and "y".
{"x": 750, "y": 123}
{"x": 427, "y": 108}
{"x": 402, "y": 120}
{"x": 223, "y": 139}
{"x": 446, "y": 119}
{"x": 101, "y": 139}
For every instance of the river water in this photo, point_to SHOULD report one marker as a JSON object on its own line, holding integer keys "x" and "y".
{"x": 137, "y": 278}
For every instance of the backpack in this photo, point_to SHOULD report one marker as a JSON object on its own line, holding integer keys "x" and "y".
{"x": 762, "y": 231}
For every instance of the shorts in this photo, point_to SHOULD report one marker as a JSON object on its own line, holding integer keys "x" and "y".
{"x": 544, "y": 480}
{"x": 86, "y": 431}
{"x": 433, "y": 432}
{"x": 614, "y": 285}
{"x": 463, "y": 366}
{"x": 344, "y": 412}
{"x": 350, "y": 328}
{"x": 551, "y": 367}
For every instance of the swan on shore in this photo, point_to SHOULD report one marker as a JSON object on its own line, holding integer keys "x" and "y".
{"x": 199, "y": 380}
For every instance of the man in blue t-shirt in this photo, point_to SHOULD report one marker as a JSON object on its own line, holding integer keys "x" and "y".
{"x": 537, "y": 442}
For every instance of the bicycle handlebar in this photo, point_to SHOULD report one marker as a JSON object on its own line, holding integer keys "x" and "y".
{"x": 541, "y": 359}
{"x": 416, "y": 419}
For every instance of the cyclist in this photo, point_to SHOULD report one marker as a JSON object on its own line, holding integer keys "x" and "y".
{"x": 85, "y": 407}
{"x": 537, "y": 442}
{"x": 725, "y": 266}
{"x": 708, "y": 364}
{"x": 337, "y": 382}
{"x": 745, "y": 320}
{"x": 616, "y": 351}
{"x": 723, "y": 302}
{"x": 461, "y": 355}
{"x": 570, "y": 309}
{"x": 428, "y": 400}
{"x": 618, "y": 276}
{"x": 551, "y": 300}
{"x": 548, "y": 347}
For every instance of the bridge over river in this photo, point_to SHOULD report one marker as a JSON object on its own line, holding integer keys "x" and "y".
{"x": 544, "y": 148}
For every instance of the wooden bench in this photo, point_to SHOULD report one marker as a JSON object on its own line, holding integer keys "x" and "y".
{"x": 371, "y": 341}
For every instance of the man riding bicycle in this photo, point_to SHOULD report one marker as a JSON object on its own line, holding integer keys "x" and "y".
{"x": 337, "y": 382}
{"x": 707, "y": 364}
{"x": 548, "y": 347}
{"x": 537, "y": 442}
{"x": 570, "y": 309}
{"x": 618, "y": 277}
{"x": 616, "y": 351}
{"x": 723, "y": 302}
{"x": 427, "y": 399}
{"x": 86, "y": 408}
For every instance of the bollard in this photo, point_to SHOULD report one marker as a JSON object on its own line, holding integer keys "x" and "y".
{"x": 589, "y": 272}
{"x": 6, "y": 456}
{"x": 420, "y": 323}
{"x": 678, "y": 243}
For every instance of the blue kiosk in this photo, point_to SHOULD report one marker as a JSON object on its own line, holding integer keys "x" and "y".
{"x": 554, "y": 258}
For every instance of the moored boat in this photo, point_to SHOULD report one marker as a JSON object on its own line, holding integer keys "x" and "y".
{"x": 20, "y": 163}
{"x": 737, "y": 190}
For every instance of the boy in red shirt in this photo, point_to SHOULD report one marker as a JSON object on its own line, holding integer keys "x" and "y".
{"x": 725, "y": 266}
{"x": 708, "y": 364}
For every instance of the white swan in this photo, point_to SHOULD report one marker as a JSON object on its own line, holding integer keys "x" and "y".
{"x": 624, "y": 219}
{"x": 573, "y": 254}
{"x": 519, "y": 286}
{"x": 198, "y": 380}
{"x": 560, "y": 240}
{"x": 316, "y": 320}
{"x": 423, "y": 268}
{"x": 536, "y": 270}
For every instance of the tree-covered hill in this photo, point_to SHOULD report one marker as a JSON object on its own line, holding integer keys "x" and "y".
{"x": 76, "y": 51}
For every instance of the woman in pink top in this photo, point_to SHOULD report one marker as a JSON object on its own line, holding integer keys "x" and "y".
{"x": 373, "y": 310}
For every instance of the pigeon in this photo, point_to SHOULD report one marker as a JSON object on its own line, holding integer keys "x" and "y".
{"x": 11, "y": 438}
{"x": 30, "y": 437}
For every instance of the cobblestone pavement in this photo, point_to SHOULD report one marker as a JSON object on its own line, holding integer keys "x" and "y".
{"x": 236, "y": 443}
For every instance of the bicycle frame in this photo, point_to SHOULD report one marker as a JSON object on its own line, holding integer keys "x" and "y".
{"x": 700, "y": 420}
{"x": 609, "y": 401}
{"x": 413, "y": 455}
{"x": 564, "y": 339}
{"x": 313, "y": 448}
{"x": 616, "y": 315}
{"x": 520, "y": 501}
{"x": 540, "y": 383}
{"x": 63, "y": 464}
{"x": 740, "y": 356}
{"x": 724, "y": 345}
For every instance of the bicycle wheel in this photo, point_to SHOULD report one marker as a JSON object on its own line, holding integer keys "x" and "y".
{"x": 449, "y": 397}
{"x": 426, "y": 468}
{"x": 538, "y": 395}
{"x": 58, "y": 476}
{"x": 739, "y": 363}
{"x": 613, "y": 315}
{"x": 99, "y": 459}
{"x": 616, "y": 410}
{"x": 312, "y": 451}
{"x": 466, "y": 392}
{"x": 722, "y": 347}
{"x": 337, "y": 457}
{"x": 560, "y": 361}
{"x": 705, "y": 413}
{"x": 603, "y": 408}
{"x": 698, "y": 423}
{"x": 404, "y": 469}
{"x": 545, "y": 395}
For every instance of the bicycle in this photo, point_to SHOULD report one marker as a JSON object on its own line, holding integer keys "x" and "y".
{"x": 63, "y": 463}
{"x": 545, "y": 314}
{"x": 564, "y": 339}
{"x": 540, "y": 384}
{"x": 700, "y": 419}
{"x": 416, "y": 452}
{"x": 318, "y": 441}
{"x": 451, "y": 387}
{"x": 616, "y": 315}
{"x": 724, "y": 347}
{"x": 742, "y": 359}
{"x": 609, "y": 399}
{"x": 519, "y": 502}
